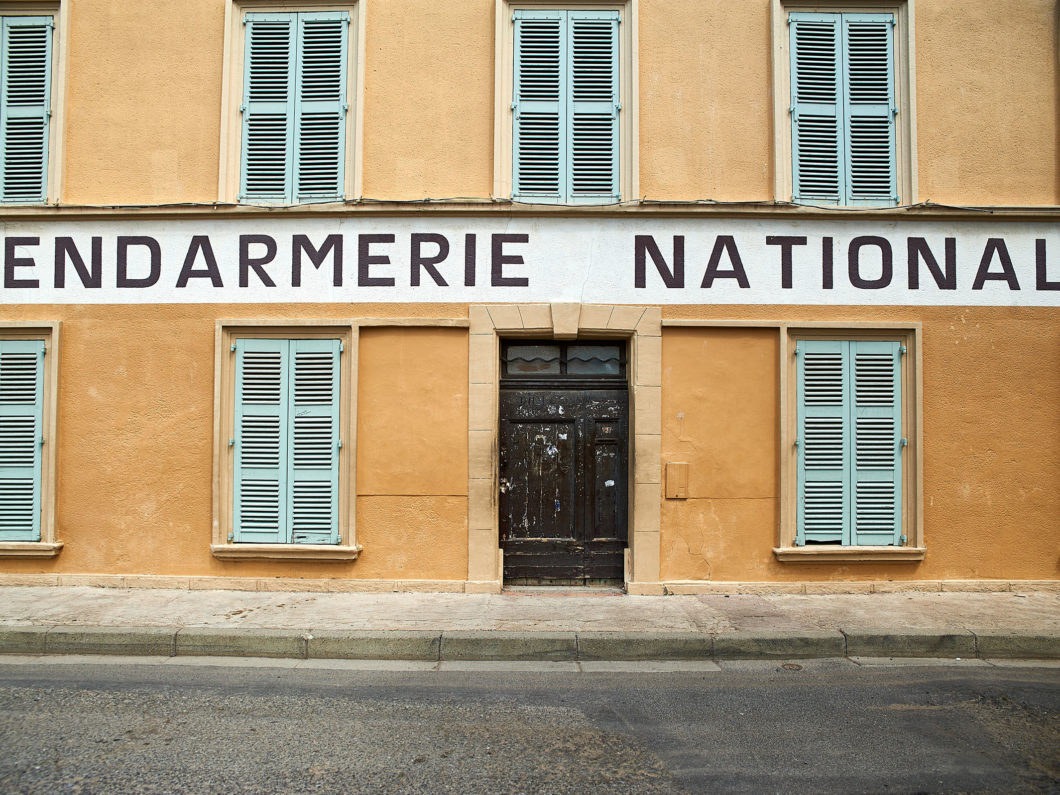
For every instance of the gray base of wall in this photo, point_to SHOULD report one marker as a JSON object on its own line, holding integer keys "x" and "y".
{"x": 322, "y": 585}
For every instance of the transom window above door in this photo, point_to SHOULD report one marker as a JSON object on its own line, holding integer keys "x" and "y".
{"x": 528, "y": 359}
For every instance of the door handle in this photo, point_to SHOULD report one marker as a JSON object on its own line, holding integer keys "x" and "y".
{"x": 504, "y": 485}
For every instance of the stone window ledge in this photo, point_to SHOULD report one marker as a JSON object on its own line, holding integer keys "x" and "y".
{"x": 284, "y": 552}
{"x": 30, "y": 549}
{"x": 818, "y": 554}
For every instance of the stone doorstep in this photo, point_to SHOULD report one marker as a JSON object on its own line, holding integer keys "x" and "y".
{"x": 467, "y": 645}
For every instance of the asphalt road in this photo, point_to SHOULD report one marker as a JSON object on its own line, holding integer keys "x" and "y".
{"x": 753, "y": 727}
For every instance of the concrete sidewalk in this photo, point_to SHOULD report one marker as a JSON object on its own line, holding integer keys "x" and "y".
{"x": 527, "y": 624}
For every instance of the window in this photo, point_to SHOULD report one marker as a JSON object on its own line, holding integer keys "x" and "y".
{"x": 566, "y": 131}
{"x": 286, "y": 441}
{"x": 529, "y": 360}
{"x": 25, "y": 111}
{"x": 294, "y": 106}
{"x": 27, "y": 432}
{"x": 844, "y": 118}
{"x": 285, "y": 479}
{"x": 21, "y": 438}
{"x": 849, "y": 442}
{"x": 853, "y": 442}
{"x": 291, "y": 101}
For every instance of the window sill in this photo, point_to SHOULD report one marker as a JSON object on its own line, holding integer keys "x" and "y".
{"x": 284, "y": 552}
{"x": 30, "y": 549}
{"x": 848, "y": 554}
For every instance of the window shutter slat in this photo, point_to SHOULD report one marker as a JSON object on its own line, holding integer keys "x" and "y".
{"x": 539, "y": 105}
{"x": 877, "y": 471}
{"x": 593, "y": 46}
{"x": 817, "y": 144}
{"x": 314, "y": 442}
{"x": 868, "y": 103}
{"x": 321, "y": 105}
{"x": 268, "y": 107}
{"x": 822, "y": 375}
{"x": 21, "y": 435}
{"x": 25, "y": 77}
{"x": 261, "y": 440}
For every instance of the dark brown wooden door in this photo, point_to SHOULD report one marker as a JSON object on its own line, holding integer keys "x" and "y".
{"x": 563, "y": 488}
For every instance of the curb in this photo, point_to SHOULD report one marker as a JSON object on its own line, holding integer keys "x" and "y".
{"x": 436, "y": 645}
{"x": 911, "y": 643}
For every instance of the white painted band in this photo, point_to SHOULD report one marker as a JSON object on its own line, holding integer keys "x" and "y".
{"x": 526, "y": 260}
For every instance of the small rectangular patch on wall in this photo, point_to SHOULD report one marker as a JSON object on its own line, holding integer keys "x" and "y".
{"x": 676, "y": 480}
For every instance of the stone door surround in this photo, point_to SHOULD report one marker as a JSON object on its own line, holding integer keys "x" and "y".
{"x": 642, "y": 326}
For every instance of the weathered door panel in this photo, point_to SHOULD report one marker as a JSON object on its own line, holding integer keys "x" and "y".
{"x": 541, "y": 504}
{"x": 607, "y": 499}
{"x": 564, "y": 461}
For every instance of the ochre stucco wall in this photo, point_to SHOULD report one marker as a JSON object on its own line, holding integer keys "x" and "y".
{"x": 720, "y": 414}
{"x": 991, "y": 453}
{"x": 136, "y": 414}
{"x": 428, "y": 113}
{"x": 988, "y": 102}
{"x": 143, "y": 120}
{"x": 412, "y": 453}
{"x": 143, "y": 101}
{"x": 135, "y": 449}
{"x": 142, "y": 125}
{"x": 706, "y": 102}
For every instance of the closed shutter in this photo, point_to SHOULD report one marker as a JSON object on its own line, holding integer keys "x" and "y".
{"x": 261, "y": 440}
{"x": 869, "y": 108}
{"x": 540, "y": 121}
{"x": 566, "y": 105}
{"x": 321, "y": 109}
{"x": 294, "y": 108}
{"x": 876, "y": 468}
{"x": 843, "y": 108}
{"x": 823, "y": 439}
{"x": 816, "y": 124}
{"x": 268, "y": 107}
{"x": 21, "y": 437}
{"x": 593, "y": 105}
{"x": 25, "y": 79}
{"x": 849, "y": 437}
{"x": 286, "y": 441}
{"x": 314, "y": 442}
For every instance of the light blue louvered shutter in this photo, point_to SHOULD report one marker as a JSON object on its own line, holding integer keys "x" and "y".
{"x": 539, "y": 134}
{"x": 876, "y": 465}
{"x": 313, "y": 478}
{"x": 869, "y": 108}
{"x": 823, "y": 439}
{"x": 816, "y": 125}
{"x": 594, "y": 106}
{"x": 25, "y": 79}
{"x": 321, "y": 105}
{"x": 21, "y": 437}
{"x": 268, "y": 108}
{"x": 261, "y": 440}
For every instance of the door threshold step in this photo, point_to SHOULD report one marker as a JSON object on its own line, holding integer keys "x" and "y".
{"x": 564, "y": 590}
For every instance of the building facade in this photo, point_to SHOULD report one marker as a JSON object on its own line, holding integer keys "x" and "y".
{"x": 386, "y": 294}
